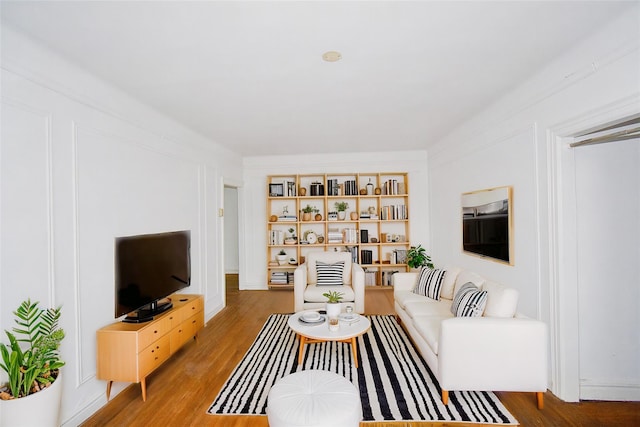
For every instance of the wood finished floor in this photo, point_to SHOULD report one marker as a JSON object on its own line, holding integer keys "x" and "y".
{"x": 180, "y": 392}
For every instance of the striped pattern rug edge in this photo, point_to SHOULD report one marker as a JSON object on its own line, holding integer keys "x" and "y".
{"x": 394, "y": 381}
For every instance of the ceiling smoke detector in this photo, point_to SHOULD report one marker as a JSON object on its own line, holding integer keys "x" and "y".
{"x": 332, "y": 56}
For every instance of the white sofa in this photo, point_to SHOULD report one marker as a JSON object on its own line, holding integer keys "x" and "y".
{"x": 499, "y": 351}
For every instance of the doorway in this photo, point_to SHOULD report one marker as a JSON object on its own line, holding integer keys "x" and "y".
{"x": 231, "y": 238}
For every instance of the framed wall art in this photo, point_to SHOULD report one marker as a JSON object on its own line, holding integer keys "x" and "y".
{"x": 487, "y": 223}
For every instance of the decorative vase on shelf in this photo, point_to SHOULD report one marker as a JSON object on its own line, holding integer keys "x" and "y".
{"x": 354, "y": 216}
{"x": 370, "y": 188}
{"x": 318, "y": 217}
{"x": 306, "y": 216}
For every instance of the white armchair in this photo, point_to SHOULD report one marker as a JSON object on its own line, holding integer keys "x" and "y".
{"x": 307, "y": 294}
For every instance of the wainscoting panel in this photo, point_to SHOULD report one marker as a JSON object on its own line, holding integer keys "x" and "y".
{"x": 27, "y": 257}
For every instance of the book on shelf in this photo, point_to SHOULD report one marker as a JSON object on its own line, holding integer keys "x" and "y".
{"x": 354, "y": 253}
{"x": 401, "y": 256}
{"x": 387, "y": 277}
{"x": 369, "y": 278}
{"x": 281, "y": 277}
{"x": 287, "y": 218}
{"x": 393, "y": 212}
{"x": 393, "y": 187}
{"x": 334, "y": 236}
{"x": 276, "y": 237}
{"x": 291, "y": 188}
{"x": 349, "y": 235}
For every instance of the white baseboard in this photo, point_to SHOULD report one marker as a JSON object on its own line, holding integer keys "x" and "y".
{"x": 610, "y": 392}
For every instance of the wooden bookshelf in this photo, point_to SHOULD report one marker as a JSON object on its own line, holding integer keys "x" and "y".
{"x": 383, "y": 217}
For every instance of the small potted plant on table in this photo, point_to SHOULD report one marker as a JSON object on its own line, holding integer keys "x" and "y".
{"x": 333, "y": 308}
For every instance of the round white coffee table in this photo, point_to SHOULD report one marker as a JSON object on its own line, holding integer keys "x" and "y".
{"x": 315, "y": 333}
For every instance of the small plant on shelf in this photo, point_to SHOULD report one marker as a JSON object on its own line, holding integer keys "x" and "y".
{"x": 308, "y": 209}
{"x": 417, "y": 257}
{"x": 333, "y": 296}
{"x": 341, "y": 206}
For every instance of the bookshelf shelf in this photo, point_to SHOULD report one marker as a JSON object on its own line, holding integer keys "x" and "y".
{"x": 382, "y": 211}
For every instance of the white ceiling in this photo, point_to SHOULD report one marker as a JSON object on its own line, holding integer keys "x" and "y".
{"x": 250, "y": 75}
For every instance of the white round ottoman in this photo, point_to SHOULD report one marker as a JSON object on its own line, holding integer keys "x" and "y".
{"x": 314, "y": 398}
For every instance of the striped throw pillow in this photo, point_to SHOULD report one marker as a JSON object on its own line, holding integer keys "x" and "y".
{"x": 329, "y": 274}
{"x": 430, "y": 283}
{"x": 469, "y": 301}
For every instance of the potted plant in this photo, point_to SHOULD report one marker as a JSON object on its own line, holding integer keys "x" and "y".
{"x": 417, "y": 257}
{"x": 333, "y": 303}
{"x": 32, "y": 363}
{"x": 306, "y": 213}
{"x": 281, "y": 257}
{"x": 341, "y": 207}
{"x": 291, "y": 240}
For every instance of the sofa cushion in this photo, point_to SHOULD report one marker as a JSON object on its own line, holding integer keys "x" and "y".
{"x": 469, "y": 301}
{"x": 502, "y": 301}
{"x": 405, "y": 297}
{"x": 467, "y": 276}
{"x": 430, "y": 307}
{"x": 429, "y": 282}
{"x": 313, "y": 293}
{"x": 429, "y": 329}
{"x": 329, "y": 274}
{"x": 449, "y": 282}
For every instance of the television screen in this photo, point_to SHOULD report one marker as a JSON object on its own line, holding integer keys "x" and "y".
{"x": 149, "y": 268}
{"x": 486, "y": 223}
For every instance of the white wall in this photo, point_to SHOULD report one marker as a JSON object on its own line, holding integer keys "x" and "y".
{"x": 253, "y": 258}
{"x": 518, "y": 141}
{"x": 82, "y": 163}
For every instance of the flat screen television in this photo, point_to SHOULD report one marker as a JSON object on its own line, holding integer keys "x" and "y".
{"x": 486, "y": 224}
{"x": 149, "y": 268}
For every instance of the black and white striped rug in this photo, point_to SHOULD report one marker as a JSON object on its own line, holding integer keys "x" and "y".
{"x": 394, "y": 381}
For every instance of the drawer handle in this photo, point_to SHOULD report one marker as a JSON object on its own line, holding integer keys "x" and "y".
{"x": 155, "y": 332}
{"x": 179, "y": 330}
{"x": 193, "y": 321}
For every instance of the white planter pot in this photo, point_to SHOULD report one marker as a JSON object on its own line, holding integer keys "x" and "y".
{"x": 40, "y": 409}
{"x": 282, "y": 259}
{"x": 333, "y": 309}
{"x": 342, "y": 215}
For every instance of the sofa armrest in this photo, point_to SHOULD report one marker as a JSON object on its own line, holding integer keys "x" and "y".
{"x": 357, "y": 282}
{"x": 404, "y": 281}
{"x": 505, "y": 354}
{"x": 299, "y": 285}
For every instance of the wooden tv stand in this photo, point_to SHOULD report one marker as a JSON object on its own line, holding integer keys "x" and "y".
{"x": 128, "y": 352}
